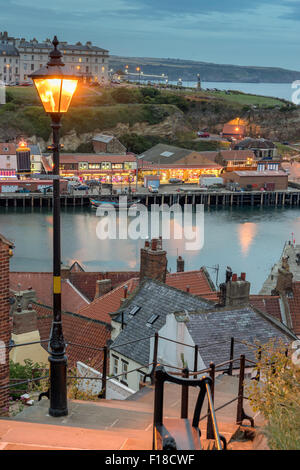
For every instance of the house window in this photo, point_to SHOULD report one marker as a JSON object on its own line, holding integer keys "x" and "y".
{"x": 129, "y": 165}
{"x": 141, "y": 376}
{"x": 105, "y": 165}
{"x": 117, "y": 165}
{"x": 115, "y": 365}
{"x": 83, "y": 165}
{"x": 124, "y": 378}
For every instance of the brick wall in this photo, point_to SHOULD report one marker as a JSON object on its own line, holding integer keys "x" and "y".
{"x": 5, "y": 325}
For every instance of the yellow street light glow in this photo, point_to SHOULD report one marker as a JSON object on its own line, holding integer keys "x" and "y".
{"x": 55, "y": 93}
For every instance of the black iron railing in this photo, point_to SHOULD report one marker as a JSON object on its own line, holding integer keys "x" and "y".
{"x": 225, "y": 367}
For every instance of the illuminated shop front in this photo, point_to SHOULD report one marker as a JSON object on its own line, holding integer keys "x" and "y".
{"x": 108, "y": 176}
{"x": 184, "y": 173}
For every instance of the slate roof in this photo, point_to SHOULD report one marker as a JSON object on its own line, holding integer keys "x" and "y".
{"x": 154, "y": 298}
{"x": 103, "y": 138}
{"x": 250, "y": 143}
{"x": 8, "y": 50}
{"x": 62, "y": 46}
{"x": 155, "y": 154}
{"x": 245, "y": 323}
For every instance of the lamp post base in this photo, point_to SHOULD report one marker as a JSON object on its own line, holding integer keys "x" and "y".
{"x": 58, "y": 386}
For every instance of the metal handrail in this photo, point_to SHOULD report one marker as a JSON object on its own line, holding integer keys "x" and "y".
{"x": 27, "y": 381}
{"x": 213, "y": 417}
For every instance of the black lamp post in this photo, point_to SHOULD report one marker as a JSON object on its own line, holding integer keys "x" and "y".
{"x": 56, "y": 87}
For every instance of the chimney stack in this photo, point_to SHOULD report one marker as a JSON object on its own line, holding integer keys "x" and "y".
{"x": 237, "y": 291}
{"x": 180, "y": 264}
{"x": 102, "y": 287}
{"x": 153, "y": 262}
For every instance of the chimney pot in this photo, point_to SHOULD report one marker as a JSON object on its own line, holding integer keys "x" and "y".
{"x": 234, "y": 277}
{"x": 147, "y": 244}
{"x": 188, "y": 288}
{"x": 243, "y": 276}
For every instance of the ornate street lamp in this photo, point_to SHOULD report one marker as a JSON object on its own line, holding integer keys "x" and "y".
{"x": 55, "y": 87}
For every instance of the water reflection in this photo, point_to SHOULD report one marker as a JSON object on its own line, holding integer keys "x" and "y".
{"x": 249, "y": 240}
{"x": 247, "y": 233}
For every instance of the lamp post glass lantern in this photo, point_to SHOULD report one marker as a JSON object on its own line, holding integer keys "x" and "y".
{"x": 55, "y": 87}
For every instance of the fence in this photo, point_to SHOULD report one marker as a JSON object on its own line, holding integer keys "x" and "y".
{"x": 225, "y": 367}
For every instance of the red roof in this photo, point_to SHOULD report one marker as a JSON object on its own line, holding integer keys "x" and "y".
{"x": 268, "y": 304}
{"x": 11, "y": 148}
{"x": 85, "y": 282}
{"x": 108, "y": 303}
{"x": 41, "y": 283}
{"x": 93, "y": 158}
{"x": 78, "y": 330}
{"x": 196, "y": 280}
{"x": 242, "y": 155}
{"x": 294, "y": 304}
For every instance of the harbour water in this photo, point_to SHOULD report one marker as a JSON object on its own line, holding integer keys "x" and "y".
{"x": 276, "y": 90}
{"x": 249, "y": 240}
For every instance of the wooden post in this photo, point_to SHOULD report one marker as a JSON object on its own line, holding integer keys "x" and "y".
{"x": 231, "y": 199}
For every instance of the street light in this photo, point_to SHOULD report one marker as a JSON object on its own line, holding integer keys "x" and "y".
{"x": 138, "y": 69}
{"x": 55, "y": 87}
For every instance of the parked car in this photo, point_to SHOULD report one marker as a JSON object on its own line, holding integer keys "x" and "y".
{"x": 81, "y": 187}
{"x": 203, "y": 134}
{"x": 93, "y": 182}
{"x": 22, "y": 190}
{"x": 153, "y": 189}
{"x": 175, "y": 181}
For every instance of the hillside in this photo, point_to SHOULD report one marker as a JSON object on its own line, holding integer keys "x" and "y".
{"x": 187, "y": 70}
{"x": 144, "y": 116}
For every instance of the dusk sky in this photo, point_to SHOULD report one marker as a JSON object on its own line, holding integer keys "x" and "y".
{"x": 256, "y": 32}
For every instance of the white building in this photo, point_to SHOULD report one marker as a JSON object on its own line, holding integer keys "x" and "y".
{"x": 19, "y": 58}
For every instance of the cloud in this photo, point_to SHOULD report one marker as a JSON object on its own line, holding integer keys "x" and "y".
{"x": 262, "y": 32}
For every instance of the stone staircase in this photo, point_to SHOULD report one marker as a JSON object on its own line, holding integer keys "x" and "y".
{"x": 120, "y": 425}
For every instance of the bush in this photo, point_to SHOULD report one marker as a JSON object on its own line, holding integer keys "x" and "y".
{"x": 149, "y": 92}
{"x": 24, "y": 372}
{"x": 126, "y": 95}
{"x": 277, "y": 397}
{"x": 140, "y": 143}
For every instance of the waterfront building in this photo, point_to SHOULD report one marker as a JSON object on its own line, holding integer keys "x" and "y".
{"x": 233, "y": 160}
{"x": 185, "y": 173}
{"x": 270, "y": 180}
{"x": 170, "y": 161}
{"x": 8, "y": 160}
{"x": 263, "y": 148}
{"x": 19, "y": 58}
{"x": 106, "y": 168}
{"x": 14, "y": 156}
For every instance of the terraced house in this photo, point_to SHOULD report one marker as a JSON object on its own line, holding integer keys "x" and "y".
{"x": 19, "y": 58}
